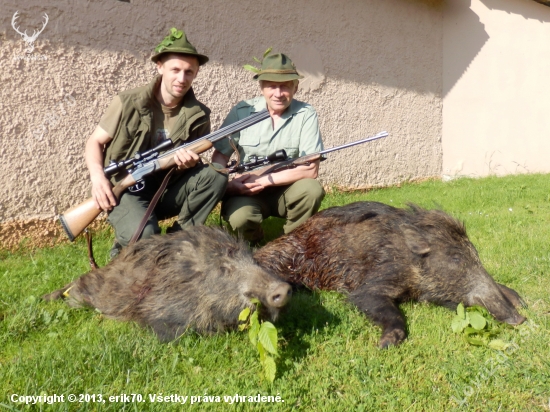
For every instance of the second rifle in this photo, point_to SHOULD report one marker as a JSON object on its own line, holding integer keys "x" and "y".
{"x": 278, "y": 161}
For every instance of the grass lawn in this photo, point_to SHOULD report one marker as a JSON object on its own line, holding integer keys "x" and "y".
{"x": 329, "y": 355}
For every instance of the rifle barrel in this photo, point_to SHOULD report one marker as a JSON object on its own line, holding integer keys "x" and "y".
{"x": 226, "y": 131}
{"x": 368, "y": 139}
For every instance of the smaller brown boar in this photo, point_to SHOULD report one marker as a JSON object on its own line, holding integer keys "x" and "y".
{"x": 381, "y": 255}
{"x": 199, "y": 279}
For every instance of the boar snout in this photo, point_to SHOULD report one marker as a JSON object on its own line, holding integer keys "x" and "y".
{"x": 495, "y": 299}
{"x": 280, "y": 296}
{"x": 515, "y": 319}
{"x": 512, "y": 296}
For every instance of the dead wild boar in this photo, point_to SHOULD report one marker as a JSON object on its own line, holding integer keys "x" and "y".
{"x": 381, "y": 255}
{"x": 197, "y": 279}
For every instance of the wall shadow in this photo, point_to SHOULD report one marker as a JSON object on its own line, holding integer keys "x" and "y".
{"x": 396, "y": 43}
{"x": 464, "y": 37}
{"x": 530, "y": 9}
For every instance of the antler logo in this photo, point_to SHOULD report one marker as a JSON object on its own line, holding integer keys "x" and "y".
{"x": 28, "y": 39}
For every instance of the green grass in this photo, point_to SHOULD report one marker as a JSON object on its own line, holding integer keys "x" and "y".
{"x": 329, "y": 358}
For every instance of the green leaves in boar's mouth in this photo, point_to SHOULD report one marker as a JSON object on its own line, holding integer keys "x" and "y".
{"x": 263, "y": 336}
{"x": 478, "y": 327}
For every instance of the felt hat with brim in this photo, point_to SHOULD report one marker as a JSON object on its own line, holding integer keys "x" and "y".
{"x": 176, "y": 42}
{"x": 278, "y": 68}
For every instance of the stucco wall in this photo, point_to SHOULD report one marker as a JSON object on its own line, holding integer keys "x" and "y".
{"x": 495, "y": 86}
{"x": 372, "y": 65}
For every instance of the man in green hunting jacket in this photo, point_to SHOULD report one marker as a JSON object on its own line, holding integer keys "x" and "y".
{"x": 142, "y": 118}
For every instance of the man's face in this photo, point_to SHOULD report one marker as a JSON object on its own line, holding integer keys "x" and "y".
{"x": 178, "y": 72}
{"x": 278, "y": 95}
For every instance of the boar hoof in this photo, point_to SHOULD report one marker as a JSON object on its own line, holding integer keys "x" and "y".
{"x": 392, "y": 338}
{"x": 515, "y": 320}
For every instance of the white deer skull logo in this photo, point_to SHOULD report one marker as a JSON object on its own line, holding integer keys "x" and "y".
{"x": 29, "y": 39}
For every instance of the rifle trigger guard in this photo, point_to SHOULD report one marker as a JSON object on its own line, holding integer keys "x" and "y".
{"x": 139, "y": 186}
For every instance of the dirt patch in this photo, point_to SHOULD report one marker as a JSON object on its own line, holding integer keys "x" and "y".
{"x": 35, "y": 233}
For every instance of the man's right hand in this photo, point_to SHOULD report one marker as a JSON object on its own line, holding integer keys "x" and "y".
{"x": 102, "y": 193}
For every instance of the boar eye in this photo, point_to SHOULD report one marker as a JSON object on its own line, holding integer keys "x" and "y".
{"x": 456, "y": 258}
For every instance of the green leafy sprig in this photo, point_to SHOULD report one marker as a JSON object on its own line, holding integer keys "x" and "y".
{"x": 174, "y": 35}
{"x": 263, "y": 336}
{"x": 478, "y": 327}
{"x": 254, "y": 69}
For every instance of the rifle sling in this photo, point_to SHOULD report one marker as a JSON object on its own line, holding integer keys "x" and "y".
{"x": 157, "y": 196}
{"x": 151, "y": 207}
{"x": 237, "y": 154}
{"x": 91, "y": 259}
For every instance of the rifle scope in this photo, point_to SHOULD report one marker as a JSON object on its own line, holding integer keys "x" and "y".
{"x": 115, "y": 167}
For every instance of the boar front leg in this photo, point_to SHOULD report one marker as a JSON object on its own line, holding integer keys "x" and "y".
{"x": 384, "y": 312}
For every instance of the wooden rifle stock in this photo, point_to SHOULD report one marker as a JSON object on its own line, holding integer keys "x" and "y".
{"x": 78, "y": 217}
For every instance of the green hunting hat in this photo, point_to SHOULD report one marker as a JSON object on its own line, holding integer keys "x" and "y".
{"x": 176, "y": 42}
{"x": 278, "y": 68}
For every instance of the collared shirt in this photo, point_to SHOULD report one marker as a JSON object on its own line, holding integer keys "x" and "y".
{"x": 297, "y": 131}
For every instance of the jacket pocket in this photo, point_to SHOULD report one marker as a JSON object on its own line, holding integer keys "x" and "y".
{"x": 249, "y": 140}
{"x": 292, "y": 152}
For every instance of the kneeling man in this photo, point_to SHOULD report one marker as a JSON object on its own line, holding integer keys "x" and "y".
{"x": 142, "y": 118}
{"x": 293, "y": 194}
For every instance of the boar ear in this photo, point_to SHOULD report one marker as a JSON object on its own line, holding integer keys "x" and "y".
{"x": 415, "y": 241}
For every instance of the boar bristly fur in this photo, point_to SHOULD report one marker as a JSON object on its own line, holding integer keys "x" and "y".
{"x": 380, "y": 256}
{"x": 199, "y": 279}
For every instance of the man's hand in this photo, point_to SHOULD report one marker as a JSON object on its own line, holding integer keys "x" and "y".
{"x": 186, "y": 159}
{"x": 102, "y": 193}
{"x": 245, "y": 185}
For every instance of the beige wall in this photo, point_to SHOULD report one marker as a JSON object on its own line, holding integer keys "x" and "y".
{"x": 373, "y": 65}
{"x": 459, "y": 84}
{"x": 496, "y": 60}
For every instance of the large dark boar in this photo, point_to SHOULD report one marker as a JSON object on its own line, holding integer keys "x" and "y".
{"x": 381, "y": 256}
{"x": 200, "y": 278}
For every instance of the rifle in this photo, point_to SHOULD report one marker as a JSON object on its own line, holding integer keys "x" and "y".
{"x": 77, "y": 218}
{"x": 278, "y": 161}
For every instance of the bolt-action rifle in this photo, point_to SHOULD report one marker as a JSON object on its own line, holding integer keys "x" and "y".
{"x": 279, "y": 160}
{"x": 77, "y": 218}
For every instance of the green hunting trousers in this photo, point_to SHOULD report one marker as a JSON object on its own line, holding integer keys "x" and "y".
{"x": 296, "y": 202}
{"x": 190, "y": 195}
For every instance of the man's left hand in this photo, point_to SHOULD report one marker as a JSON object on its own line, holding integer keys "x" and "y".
{"x": 186, "y": 159}
{"x": 244, "y": 185}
